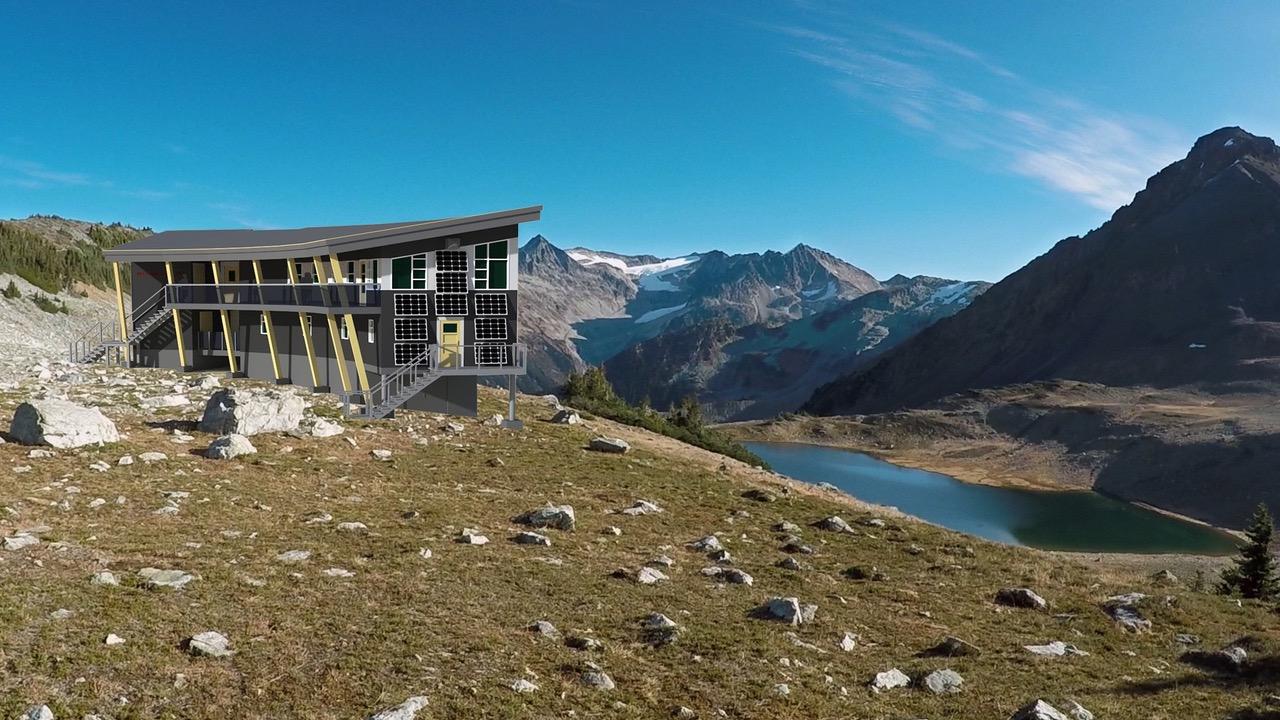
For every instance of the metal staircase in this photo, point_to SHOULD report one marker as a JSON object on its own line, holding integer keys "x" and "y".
{"x": 101, "y": 341}
{"x": 395, "y": 389}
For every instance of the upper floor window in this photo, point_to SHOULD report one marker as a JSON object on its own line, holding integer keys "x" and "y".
{"x": 409, "y": 273}
{"x": 491, "y": 266}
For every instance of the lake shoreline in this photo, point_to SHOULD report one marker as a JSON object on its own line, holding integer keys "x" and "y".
{"x": 1168, "y": 542}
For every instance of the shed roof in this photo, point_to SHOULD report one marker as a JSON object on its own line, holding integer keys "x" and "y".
{"x": 241, "y": 244}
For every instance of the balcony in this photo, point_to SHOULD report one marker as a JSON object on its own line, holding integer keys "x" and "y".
{"x": 340, "y": 298}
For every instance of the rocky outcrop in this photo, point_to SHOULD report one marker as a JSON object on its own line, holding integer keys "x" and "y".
{"x": 61, "y": 424}
{"x": 249, "y": 412}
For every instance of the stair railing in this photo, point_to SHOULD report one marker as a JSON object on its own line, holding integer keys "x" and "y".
{"x": 389, "y": 391}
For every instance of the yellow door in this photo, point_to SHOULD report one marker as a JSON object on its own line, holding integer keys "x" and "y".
{"x": 449, "y": 331}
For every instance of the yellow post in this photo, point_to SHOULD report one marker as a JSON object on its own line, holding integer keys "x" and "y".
{"x": 353, "y": 336}
{"x": 124, "y": 326}
{"x": 177, "y": 320}
{"x": 226, "y": 322}
{"x": 306, "y": 335}
{"x": 266, "y": 315}
{"x": 338, "y": 354}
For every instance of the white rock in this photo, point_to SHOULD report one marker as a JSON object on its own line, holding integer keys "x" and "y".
{"x": 242, "y": 411}
{"x": 157, "y": 578}
{"x": 566, "y": 417}
{"x": 338, "y": 572}
{"x": 789, "y": 610}
{"x": 471, "y": 536}
{"x": 230, "y": 446}
{"x": 531, "y": 538}
{"x": 1038, "y": 710}
{"x": 37, "y": 712}
{"x": 209, "y": 644}
{"x": 293, "y": 556}
{"x": 608, "y": 445}
{"x": 355, "y": 527}
{"x": 61, "y": 424}
{"x": 641, "y": 507}
{"x": 406, "y": 710}
{"x": 560, "y": 517}
{"x": 113, "y": 639}
{"x": 523, "y": 686}
{"x": 104, "y": 577}
{"x": 99, "y": 466}
{"x": 889, "y": 679}
{"x": 381, "y": 455}
{"x": 649, "y": 576}
{"x": 322, "y": 428}
{"x": 125, "y": 460}
{"x": 20, "y": 540}
{"x": 152, "y": 457}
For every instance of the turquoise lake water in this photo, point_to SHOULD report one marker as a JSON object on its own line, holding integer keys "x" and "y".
{"x": 1076, "y": 521}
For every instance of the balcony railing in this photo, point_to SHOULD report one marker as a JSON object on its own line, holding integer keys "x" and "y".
{"x": 337, "y": 296}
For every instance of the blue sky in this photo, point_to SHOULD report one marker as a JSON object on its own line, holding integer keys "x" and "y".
{"x": 954, "y": 139}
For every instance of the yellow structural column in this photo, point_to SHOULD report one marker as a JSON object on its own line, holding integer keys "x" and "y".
{"x": 177, "y": 320}
{"x": 338, "y": 354}
{"x": 226, "y": 322}
{"x": 266, "y": 315}
{"x": 306, "y": 333}
{"x": 124, "y": 326}
{"x": 353, "y": 336}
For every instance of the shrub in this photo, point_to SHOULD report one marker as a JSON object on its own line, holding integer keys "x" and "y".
{"x": 50, "y": 305}
{"x": 11, "y": 291}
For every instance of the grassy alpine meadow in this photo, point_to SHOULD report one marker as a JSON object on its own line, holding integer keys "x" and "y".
{"x": 398, "y": 608}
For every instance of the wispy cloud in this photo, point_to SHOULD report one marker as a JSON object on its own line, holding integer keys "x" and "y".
{"x": 242, "y": 215}
{"x": 31, "y": 175}
{"x": 970, "y": 101}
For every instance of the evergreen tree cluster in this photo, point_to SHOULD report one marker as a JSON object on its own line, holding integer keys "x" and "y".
{"x": 591, "y": 392}
{"x": 52, "y": 268}
{"x": 1253, "y": 573}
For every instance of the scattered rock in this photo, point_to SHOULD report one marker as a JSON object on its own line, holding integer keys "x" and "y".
{"x": 594, "y": 677}
{"x": 322, "y": 428}
{"x": 608, "y": 445}
{"x": 1165, "y": 577}
{"x": 1038, "y": 710}
{"x": 560, "y": 517}
{"x": 566, "y": 417}
{"x": 708, "y": 543}
{"x": 353, "y": 527}
{"x": 337, "y": 572}
{"x": 523, "y": 686}
{"x": 406, "y": 710}
{"x": 1124, "y": 610}
{"x": 293, "y": 557}
{"x": 942, "y": 682}
{"x": 113, "y": 639}
{"x": 788, "y": 610}
{"x": 790, "y": 563}
{"x": 1078, "y": 711}
{"x": 244, "y": 411}
{"x": 155, "y": 578}
{"x": 729, "y": 575}
{"x": 104, "y": 577}
{"x": 471, "y": 536}
{"x": 20, "y": 540}
{"x": 543, "y": 628}
{"x": 889, "y": 679}
{"x": 613, "y": 530}
{"x": 1229, "y": 660}
{"x": 37, "y": 712}
{"x": 659, "y": 629}
{"x": 381, "y": 455}
{"x": 580, "y": 642}
{"x": 642, "y": 507}
{"x": 759, "y": 495}
{"x": 531, "y": 538}
{"x": 61, "y": 424}
{"x": 848, "y": 642}
{"x": 1020, "y": 598}
{"x": 230, "y": 446}
{"x": 152, "y": 457}
{"x": 1056, "y": 648}
{"x": 209, "y": 644}
{"x": 835, "y": 523}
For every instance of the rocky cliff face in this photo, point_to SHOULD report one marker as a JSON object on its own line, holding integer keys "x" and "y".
{"x": 1177, "y": 287}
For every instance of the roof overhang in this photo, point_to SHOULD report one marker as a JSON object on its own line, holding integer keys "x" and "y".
{"x": 204, "y": 245}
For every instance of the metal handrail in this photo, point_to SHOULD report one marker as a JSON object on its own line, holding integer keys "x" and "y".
{"x": 327, "y": 295}
{"x": 430, "y": 362}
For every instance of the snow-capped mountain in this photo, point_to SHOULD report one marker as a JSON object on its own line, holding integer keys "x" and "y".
{"x": 583, "y": 306}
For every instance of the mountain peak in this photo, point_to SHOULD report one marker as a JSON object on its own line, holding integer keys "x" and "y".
{"x": 1233, "y": 141}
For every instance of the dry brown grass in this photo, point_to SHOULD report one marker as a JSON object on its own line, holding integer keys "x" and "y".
{"x": 452, "y": 627}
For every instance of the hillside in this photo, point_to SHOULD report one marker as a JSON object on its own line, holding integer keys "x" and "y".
{"x": 1178, "y": 287}
{"x": 56, "y": 254}
{"x": 370, "y": 618}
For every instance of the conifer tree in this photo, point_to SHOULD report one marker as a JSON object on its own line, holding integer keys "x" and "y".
{"x": 1253, "y": 574}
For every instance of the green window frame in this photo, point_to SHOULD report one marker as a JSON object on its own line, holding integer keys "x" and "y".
{"x": 409, "y": 272}
{"x": 491, "y": 266}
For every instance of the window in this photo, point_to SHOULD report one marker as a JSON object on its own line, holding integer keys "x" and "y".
{"x": 491, "y": 328}
{"x": 411, "y": 303}
{"x": 412, "y": 328}
{"x": 406, "y": 353}
{"x": 373, "y": 324}
{"x": 342, "y": 326}
{"x": 262, "y": 323}
{"x": 307, "y": 321}
{"x": 409, "y": 273}
{"x": 491, "y": 266}
{"x": 351, "y": 271}
{"x": 451, "y": 303}
{"x": 491, "y": 304}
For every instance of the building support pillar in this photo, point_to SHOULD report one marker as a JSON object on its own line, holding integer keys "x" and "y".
{"x": 227, "y": 337}
{"x": 177, "y": 321}
{"x": 124, "y": 325}
{"x": 305, "y": 330}
{"x": 334, "y": 337}
{"x": 353, "y": 336}
{"x": 271, "y": 331}
{"x": 511, "y": 422}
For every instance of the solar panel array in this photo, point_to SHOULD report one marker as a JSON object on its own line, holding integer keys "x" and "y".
{"x": 491, "y": 328}
{"x": 491, "y": 303}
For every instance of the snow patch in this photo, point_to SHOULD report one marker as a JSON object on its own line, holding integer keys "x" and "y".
{"x": 822, "y": 293}
{"x": 1197, "y": 346}
{"x": 649, "y": 276}
{"x": 659, "y": 313}
{"x": 1229, "y": 142}
{"x": 948, "y": 294}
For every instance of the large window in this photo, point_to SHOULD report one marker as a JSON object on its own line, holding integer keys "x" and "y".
{"x": 491, "y": 266}
{"x": 409, "y": 273}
